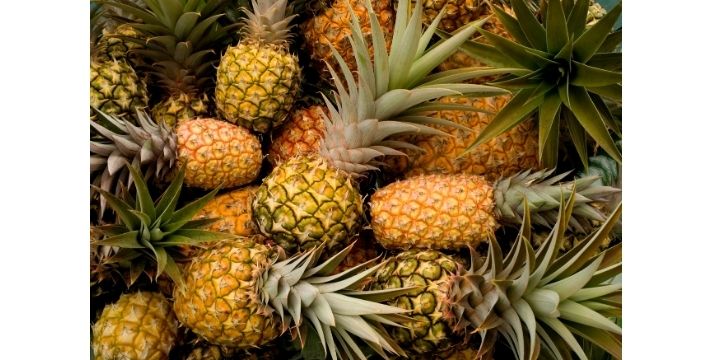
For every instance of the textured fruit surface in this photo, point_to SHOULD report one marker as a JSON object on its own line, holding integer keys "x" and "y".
{"x": 305, "y": 202}
{"x": 233, "y": 212}
{"x": 430, "y": 270}
{"x": 115, "y": 88}
{"x": 180, "y": 107}
{"x": 112, "y": 46}
{"x": 221, "y": 300}
{"x": 457, "y": 12}
{"x": 509, "y": 153}
{"x": 256, "y": 85}
{"x": 300, "y": 135}
{"x": 138, "y": 326}
{"x": 332, "y": 28}
{"x": 434, "y": 211}
{"x": 217, "y": 153}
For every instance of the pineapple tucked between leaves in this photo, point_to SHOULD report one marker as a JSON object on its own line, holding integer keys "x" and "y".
{"x": 258, "y": 79}
{"x": 312, "y": 199}
{"x": 139, "y": 326}
{"x": 232, "y": 212}
{"x": 454, "y": 211}
{"x": 538, "y": 301}
{"x": 300, "y": 135}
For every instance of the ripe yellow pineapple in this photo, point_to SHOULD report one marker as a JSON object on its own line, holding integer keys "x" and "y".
{"x": 506, "y": 154}
{"x": 217, "y": 153}
{"x": 332, "y": 28}
{"x": 456, "y": 211}
{"x": 300, "y": 135}
{"x": 138, "y": 326}
{"x": 258, "y": 79}
{"x": 239, "y": 293}
{"x": 233, "y": 211}
{"x": 180, "y": 107}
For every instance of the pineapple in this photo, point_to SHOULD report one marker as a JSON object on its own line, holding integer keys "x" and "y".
{"x": 114, "y": 47}
{"x": 115, "y": 88}
{"x": 332, "y": 28}
{"x": 232, "y": 211}
{"x": 153, "y": 232}
{"x": 258, "y": 79}
{"x": 312, "y": 199}
{"x": 455, "y": 211}
{"x": 217, "y": 154}
{"x": 506, "y": 154}
{"x": 568, "y": 86}
{"x": 150, "y": 147}
{"x": 537, "y": 301}
{"x": 238, "y": 293}
{"x": 138, "y": 326}
{"x": 300, "y": 135}
{"x": 182, "y": 38}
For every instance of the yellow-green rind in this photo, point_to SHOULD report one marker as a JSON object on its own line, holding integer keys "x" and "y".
{"x": 257, "y": 85}
{"x": 305, "y": 202}
{"x": 115, "y": 88}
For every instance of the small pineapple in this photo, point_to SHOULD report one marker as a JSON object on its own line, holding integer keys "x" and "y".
{"x": 232, "y": 211}
{"x": 259, "y": 79}
{"x": 180, "y": 107}
{"x": 239, "y": 293}
{"x": 455, "y": 211}
{"x": 138, "y": 326}
{"x": 520, "y": 297}
{"x": 300, "y": 135}
{"x": 312, "y": 199}
{"x": 217, "y": 153}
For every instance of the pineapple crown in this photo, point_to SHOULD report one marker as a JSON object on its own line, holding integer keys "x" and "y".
{"x": 394, "y": 91}
{"x": 149, "y": 147}
{"x": 154, "y": 231}
{"x": 305, "y": 292}
{"x": 566, "y": 73}
{"x": 541, "y": 301}
{"x": 179, "y": 40}
{"x": 267, "y": 22}
{"x": 544, "y": 195}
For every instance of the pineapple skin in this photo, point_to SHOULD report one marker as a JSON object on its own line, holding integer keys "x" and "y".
{"x": 138, "y": 326}
{"x": 233, "y": 212}
{"x": 111, "y": 46}
{"x": 115, "y": 88}
{"x": 332, "y": 28}
{"x": 221, "y": 300}
{"x": 305, "y": 202}
{"x": 300, "y": 135}
{"x": 217, "y": 153}
{"x": 180, "y": 107}
{"x": 441, "y": 212}
{"x": 431, "y": 270}
{"x": 457, "y": 13}
{"x": 509, "y": 153}
{"x": 257, "y": 85}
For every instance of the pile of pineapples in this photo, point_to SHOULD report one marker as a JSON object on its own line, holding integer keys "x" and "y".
{"x": 355, "y": 179}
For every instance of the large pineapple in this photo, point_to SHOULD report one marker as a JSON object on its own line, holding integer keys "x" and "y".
{"x": 239, "y": 293}
{"x": 139, "y": 326}
{"x": 506, "y": 154}
{"x": 455, "y": 211}
{"x": 258, "y": 79}
{"x": 538, "y": 301}
{"x": 312, "y": 199}
{"x": 179, "y": 53}
{"x": 115, "y": 88}
{"x": 331, "y": 28}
